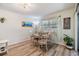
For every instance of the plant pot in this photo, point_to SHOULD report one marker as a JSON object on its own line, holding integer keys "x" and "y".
{"x": 69, "y": 47}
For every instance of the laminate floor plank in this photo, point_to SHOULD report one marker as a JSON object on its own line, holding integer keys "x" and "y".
{"x": 73, "y": 53}
{"x": 66, "y": 52}
{"x": 52, "y": 50}
{"x": 59, "y": 51}
{"x": 37, "y": 53}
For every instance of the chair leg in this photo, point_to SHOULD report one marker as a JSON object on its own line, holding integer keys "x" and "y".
{"x": 46, "y": 48}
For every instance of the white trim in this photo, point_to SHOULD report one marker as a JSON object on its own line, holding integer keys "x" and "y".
{"x": 76, "y": 30}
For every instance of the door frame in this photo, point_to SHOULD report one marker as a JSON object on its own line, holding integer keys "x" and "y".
{"x": 76, "y": 30}
{"x": 76, "y": 26}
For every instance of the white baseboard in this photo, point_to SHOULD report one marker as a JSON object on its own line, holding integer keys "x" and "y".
{"x": 12, "y": 43}
{"x": 59, "y": 43}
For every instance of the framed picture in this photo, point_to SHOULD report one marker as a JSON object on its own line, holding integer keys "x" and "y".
{"x": 27, "y": 24}
{"x": 67, "y": 23}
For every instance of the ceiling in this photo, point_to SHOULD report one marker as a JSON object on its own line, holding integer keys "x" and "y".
{"x": 37, "y": 9}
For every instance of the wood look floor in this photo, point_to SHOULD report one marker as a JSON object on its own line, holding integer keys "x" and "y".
{"x": 27, "y": 49}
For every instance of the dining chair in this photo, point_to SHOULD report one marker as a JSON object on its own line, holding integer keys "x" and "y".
{"x": 43, "y": 42}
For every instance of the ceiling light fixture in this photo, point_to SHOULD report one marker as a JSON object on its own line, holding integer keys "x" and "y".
{"x": 27, "y": 5}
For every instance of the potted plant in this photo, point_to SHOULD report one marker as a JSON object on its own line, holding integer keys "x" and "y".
{"x": 68, "y": 41}
{"x": 2, "y": 20}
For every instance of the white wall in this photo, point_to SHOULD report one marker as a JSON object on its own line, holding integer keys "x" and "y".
{"x": 11, "y": 29}
{"x": 65, "y": 13}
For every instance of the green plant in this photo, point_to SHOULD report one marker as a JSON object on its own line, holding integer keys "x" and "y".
{"x": 2, "y": 20}
{"x": 68, "y": 40}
